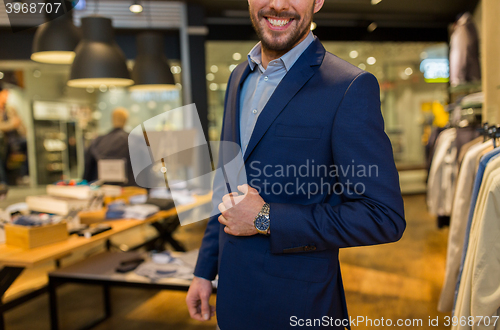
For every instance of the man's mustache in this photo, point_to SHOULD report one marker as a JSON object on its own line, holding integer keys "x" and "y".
{"x": 272, "y": 13}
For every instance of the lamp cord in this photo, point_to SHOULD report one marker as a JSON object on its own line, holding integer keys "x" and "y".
{"x": 96, "y": 8}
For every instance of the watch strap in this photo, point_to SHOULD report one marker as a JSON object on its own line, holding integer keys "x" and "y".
{"x": 265, "y": 209}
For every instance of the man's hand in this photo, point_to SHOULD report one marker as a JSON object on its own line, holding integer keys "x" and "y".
{"x": 197, "y": 299}
{"x": 238, "y": 212}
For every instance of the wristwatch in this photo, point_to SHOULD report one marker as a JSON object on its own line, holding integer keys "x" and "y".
{"x": 262, "y": 221}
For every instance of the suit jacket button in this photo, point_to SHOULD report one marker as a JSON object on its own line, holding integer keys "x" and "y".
{"x": 309, "y": 248}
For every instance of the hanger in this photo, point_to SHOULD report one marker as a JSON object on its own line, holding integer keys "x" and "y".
{"x": 494, "y": 133}
{"x": 484, "y": 131}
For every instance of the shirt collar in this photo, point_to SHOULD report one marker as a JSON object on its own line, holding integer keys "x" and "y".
{"x": 288, "y": 59}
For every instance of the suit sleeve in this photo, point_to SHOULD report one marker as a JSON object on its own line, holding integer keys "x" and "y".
{"x": 372, "y": 215}
{"x": 208, "y": 257}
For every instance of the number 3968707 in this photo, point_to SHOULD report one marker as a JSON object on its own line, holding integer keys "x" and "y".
{"x": 32, "y": 8}
{"x": 471, "y": 320}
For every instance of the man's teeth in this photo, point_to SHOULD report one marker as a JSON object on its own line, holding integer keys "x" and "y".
{"x": 278, "y": 22}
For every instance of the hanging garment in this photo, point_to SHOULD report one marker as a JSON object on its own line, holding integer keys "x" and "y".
{"x": 466, "y": 148}
{"x": 442, "y": 175}
{"x": 450, "y": 171}
{"x": 430, "y": 148}
{"x": 464, "y": 52}
{"x": 482, "y": 154}
{"x": 459, "y": 216}
{"x": 478, "y": 182}
{"x": 465, "y": 135}
{"x": 479, "y": 291}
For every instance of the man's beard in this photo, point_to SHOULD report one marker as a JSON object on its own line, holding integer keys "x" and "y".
{"x": 292, "y": 38}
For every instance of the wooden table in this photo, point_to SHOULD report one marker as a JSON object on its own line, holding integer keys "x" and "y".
{"x": 101, "y": 270}
{"x": 14, "y": 260}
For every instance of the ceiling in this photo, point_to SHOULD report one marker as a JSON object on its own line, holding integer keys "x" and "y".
{"x": 387, "y": 13}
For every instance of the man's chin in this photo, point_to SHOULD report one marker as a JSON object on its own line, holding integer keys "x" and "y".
{"x": 276, "y": 47}
{"x": 275, "y": 41}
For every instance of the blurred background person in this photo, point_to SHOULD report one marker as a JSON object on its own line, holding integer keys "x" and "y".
{"x": 113, "y": 145}
{"x": 13, "y": 147}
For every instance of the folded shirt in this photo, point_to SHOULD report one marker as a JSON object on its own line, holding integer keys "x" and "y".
{"x": 37, "y": 219}
{"x": 119, "y": 210}
{"x": 164, "y": 265}
{"x": 141, "y": 211}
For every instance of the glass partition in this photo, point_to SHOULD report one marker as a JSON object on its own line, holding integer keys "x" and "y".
{"x": 405, "y": 94}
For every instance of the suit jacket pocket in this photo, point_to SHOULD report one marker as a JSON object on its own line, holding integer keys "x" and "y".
{"x": 299, "y": 132}
{"x": 300, "y": 268}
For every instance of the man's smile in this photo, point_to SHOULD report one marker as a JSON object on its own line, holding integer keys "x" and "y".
{"x": 278, "y": 24}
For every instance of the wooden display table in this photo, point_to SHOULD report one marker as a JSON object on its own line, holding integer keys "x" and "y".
{"x": 14, "y": 260}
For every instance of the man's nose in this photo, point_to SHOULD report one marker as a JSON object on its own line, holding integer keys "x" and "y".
{"x": 279, "y": 5}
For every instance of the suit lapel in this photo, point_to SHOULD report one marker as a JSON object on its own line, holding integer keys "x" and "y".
{"x": 232, "y": 128}
{"x": 293, "y": 81}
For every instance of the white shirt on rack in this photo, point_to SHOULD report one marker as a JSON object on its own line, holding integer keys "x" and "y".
{"x": 479, "y": 292}
{"x": 458, "y": 224}
{"x": 442, "y": 175}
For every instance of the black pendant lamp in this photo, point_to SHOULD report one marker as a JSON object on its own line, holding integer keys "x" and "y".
{"x": 151, "y": 70}
{"x": 98, "y": 61}
{"x": 55, "y": 41}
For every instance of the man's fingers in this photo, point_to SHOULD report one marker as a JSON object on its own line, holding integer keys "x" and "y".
{"x": 233, "y": 201}
{"x": 228, "y": 231}
{"x": 244, "y": 188}
{"x": 228, "y": 200}
{"x": 212, "y": 309}
{"x": 223, "y": 220}
{"x": 222, "y": 208}
{"x": 206, "y": 311}
{"x": 194, "y": 309}
{"x": 229, "y": 197}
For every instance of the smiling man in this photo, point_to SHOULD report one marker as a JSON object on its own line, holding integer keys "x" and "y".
{"x": 275, "y": 244}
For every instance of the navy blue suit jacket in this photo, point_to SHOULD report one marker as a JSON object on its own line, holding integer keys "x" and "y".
{"x": 325, "y": 112}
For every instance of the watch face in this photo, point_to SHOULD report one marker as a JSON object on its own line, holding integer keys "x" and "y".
{"x": 262, "y": 223}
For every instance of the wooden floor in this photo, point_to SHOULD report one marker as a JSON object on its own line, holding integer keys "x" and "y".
{"x": 395, "y": 281}
{"x": 401, "y": 280}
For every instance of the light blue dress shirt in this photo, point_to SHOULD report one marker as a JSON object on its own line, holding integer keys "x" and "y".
{"x": 475, "y": 192}
{"x": 261, "y": 83}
